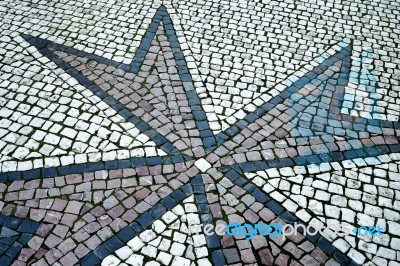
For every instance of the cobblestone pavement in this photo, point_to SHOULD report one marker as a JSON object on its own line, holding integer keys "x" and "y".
{"x": 125, "y": 123}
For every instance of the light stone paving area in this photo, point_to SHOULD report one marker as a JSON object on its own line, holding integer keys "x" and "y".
{"x": 123, "y": 121}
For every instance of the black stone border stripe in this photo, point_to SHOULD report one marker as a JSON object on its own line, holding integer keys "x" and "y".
{"x": 237, "y": 177}
{"x": 335, "y": 156}
{"x": 165, "y": 160}
{"x": 144, "y": 222}
{"x": 213, "y": 242}
{"x": 201, "y": 120}
{"x": 132, "y": 162}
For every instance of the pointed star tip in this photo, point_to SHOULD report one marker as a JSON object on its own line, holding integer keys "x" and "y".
{"x": 346, "y": 44}
{"x": 162, "y": 8}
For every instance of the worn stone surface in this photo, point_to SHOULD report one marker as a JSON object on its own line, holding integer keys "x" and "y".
{"x": 122, "y": 124}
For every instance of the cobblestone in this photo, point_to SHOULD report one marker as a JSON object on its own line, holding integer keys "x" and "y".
{"x": 123, "y": 123}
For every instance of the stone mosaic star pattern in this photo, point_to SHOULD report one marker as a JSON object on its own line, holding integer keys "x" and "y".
{"x": 107, "y": 151}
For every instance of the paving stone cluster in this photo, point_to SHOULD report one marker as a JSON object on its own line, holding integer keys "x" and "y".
{"x": 243, "y": 50}
{"x": 231, "y": 203}
{"x": 171, "y": 241}
{"x": 122, "y": 124}
{"x": 349, "y": 196}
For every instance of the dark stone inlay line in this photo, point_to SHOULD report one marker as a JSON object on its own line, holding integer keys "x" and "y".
{"x": 91, "y": 167}
{"x": 165, "y": 160}
{"x": 361, "y": 153}
{"x": 200, "y": 117}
